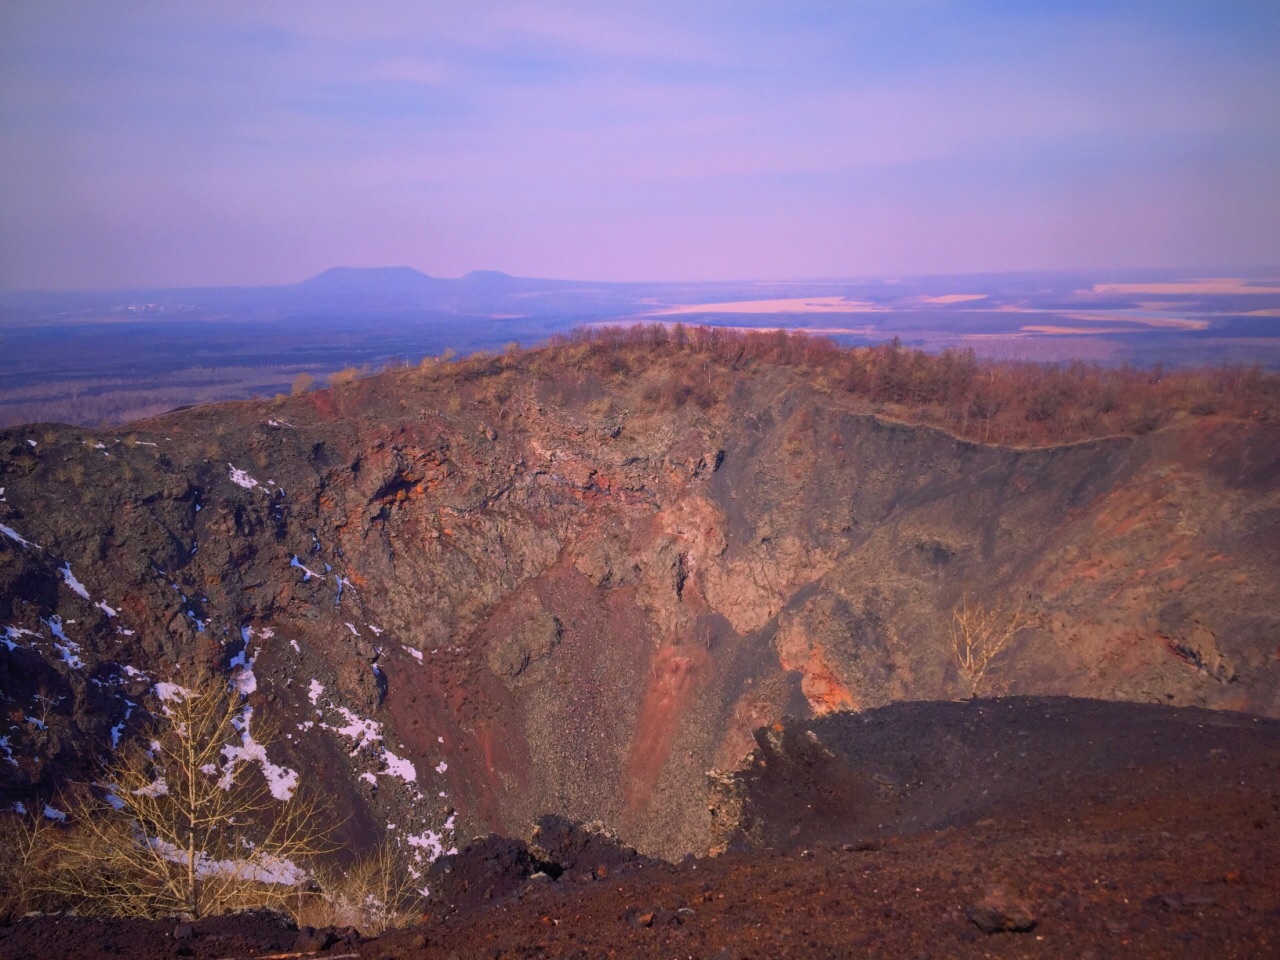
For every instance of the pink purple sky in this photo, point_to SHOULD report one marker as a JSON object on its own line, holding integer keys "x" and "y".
{"x": 247, "y": 142}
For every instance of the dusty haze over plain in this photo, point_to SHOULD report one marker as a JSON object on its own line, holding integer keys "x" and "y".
{"x": 243, "y": 143}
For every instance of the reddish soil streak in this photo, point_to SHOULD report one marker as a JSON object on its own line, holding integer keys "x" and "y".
{"x": 673, "y": 678}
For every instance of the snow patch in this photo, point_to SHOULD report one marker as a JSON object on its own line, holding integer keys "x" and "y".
{"x": 169, "y": 691}
{"x": 416, "y": 654}
{"x": 69, "y": 649}
{"x": 52, "y": 813}
{"x": 363, "y": 732}
{"x": 12, "y": 535}
{"x": 70, "y": 580}
{"x": 108, "y": 610}
{"x": 157, "y": 788}
{"x": 280, "y": 780}
{"x": 307, "y": 573}
{"x": 242, "y": 678}
{"x": 11, "y": 634}
{"x": 314, "y": 692}
{"x": 257, "y": 868}
{"x": 352, "y": 628}
{"x": 398, "y": 767}
{"x": 241, "y": 479}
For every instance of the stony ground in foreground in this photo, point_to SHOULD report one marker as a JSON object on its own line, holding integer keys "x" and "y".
{"x": 1165, "y": 854}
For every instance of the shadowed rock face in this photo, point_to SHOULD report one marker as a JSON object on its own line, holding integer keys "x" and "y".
{"x": 471, "y": 600}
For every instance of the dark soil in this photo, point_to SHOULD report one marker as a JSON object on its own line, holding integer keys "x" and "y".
{"x": 1164, "y": 843}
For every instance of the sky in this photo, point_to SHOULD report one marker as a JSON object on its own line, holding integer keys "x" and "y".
{"x": 176, "y": 144}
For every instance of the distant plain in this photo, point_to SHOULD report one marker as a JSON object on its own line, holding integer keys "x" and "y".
{"x": 115, "y": 356}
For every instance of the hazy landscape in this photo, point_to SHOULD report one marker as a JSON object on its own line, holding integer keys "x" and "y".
{"x": 91, "y": 358}
{"x": 709, "y": 480}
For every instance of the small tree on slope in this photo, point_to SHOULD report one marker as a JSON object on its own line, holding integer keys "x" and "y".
{"x": 182, "y": 823}
{"x": 979, "y": 635}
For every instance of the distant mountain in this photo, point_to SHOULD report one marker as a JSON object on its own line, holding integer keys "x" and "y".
{"x": 374, "y": 281}
{"x": 492, "y": 281}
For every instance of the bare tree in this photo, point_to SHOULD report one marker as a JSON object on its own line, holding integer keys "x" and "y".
{"x": 979, "y": 635}
{"x": 194, "y": 819}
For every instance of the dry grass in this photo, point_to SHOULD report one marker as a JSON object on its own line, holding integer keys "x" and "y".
{"x": 24, "y": 861}
{"x": 374, "y": 894}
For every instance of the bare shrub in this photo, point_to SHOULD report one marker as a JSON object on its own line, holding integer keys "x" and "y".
{"x": 374, "y": 894}
{"x": 301, "y": 384}
{"x": 183, "y": 822}
{"x": 344, "y": 376}
{"x": 979, "y": 635}
{"x": 23, "y": 865}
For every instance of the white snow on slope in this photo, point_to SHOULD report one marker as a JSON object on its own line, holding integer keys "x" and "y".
{"x": 242, "y": 678}
{"x": 242, "y": 479}
{"x": 307, "y": 573}
{"x": 70, "y": 580}
{"x": 257, "y": 868}
{"x": 12, "y": 535}
{"x": 280, "y": 780}
{"x": 69, "y": 649}
{"x": 11, "y": 634}
{"x": 157, "y": 788}
{"x": 430, "y": 844}
{"x": 361, "y": 731}
{"x": 170, "y": 691}
{"x": 397, "y": 767}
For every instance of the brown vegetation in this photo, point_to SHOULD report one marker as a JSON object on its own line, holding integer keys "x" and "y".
{"x": 375, "y": 893}
{"x": 1028, "y": 404}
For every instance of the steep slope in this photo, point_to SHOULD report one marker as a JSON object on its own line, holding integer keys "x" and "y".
{"x": 472, "y": 595}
